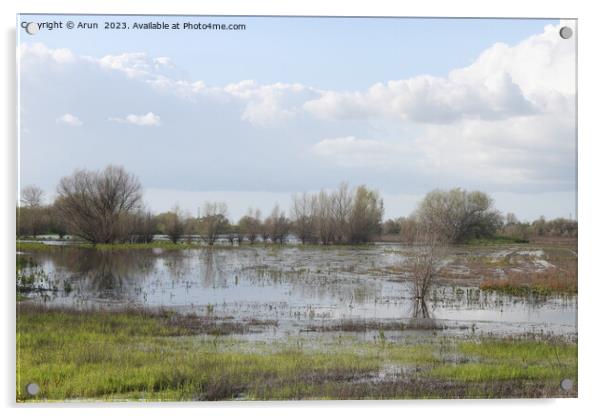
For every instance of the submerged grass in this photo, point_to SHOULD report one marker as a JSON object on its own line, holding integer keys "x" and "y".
{"x": 135, "y": 355}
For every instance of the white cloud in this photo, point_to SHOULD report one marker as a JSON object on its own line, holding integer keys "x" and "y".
{"x": 537, "y": 75}
{"x": 133, "y": 64}
{"x": 28, "y": 52}
{"x": 269, "y": 105}
{"x": 69, "y": 120}
{"x": 504, "y": 122}
{"x": 534, "y": 76}
{"x": 149, "y": 120}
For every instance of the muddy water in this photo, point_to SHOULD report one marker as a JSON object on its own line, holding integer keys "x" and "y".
{"x": 301, "y": 288}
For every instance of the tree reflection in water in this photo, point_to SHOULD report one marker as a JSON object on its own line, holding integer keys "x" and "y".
{"x": 104, "y": 273}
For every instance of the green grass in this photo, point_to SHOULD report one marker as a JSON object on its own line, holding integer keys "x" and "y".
{"x": 496, "y": 240}
{"x": 168, "y": 245}
{"x": 499, "y": 360}
{"x": 35, "y": 246}
{"x": 132, "y": 355}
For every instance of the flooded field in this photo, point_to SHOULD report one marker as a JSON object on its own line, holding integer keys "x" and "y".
{"x": 303, "y": 291}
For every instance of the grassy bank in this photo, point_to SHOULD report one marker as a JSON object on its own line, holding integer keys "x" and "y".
{"x": 134, "y": 355}
{"x": 167, "y": 245}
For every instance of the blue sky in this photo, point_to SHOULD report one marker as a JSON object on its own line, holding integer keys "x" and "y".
{"x": 356, "y": 52}
{"x": 296, "y": 104}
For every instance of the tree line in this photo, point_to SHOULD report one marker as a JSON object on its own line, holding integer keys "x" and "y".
{"x": 106, "y": 206}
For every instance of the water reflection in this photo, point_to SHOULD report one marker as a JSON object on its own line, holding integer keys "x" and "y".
{"x": 420, "y": 309}
{"x": 289, "y": 284}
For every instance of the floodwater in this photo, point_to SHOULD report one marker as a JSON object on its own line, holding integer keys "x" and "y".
{"x": 302, "y": 288}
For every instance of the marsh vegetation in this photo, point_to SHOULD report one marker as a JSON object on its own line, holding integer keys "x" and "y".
{"x": 309, "y": 304}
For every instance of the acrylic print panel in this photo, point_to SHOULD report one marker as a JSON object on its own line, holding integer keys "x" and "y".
{"x": 279, "y": 208}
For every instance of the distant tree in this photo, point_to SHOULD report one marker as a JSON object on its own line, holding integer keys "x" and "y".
{"x": 366, "y": 215}
{"x": 32, "y": 196}
{"x": 250, "y": 225}
{"x": 341, "y": 210}
{"x": 238, "y": 233}
{"x": 56, "y": 224}
{"x": 408, "y": 229}
{"x": 277, "y": 225}
{"x": 324, "y": 218}
{"x": 232, "y": 232}
{"x": 392, "y": 227}
{"x": 172, "y": 224}
{"x": 32, "y": 215}
{"x": 142, "y": 226}
{"x": 459, "y": 215}
{"x": 214, "y": 221}
{"x": 93, "y": 204}
{"x": 302, "y": 217}
{"x": 510, "y": 219}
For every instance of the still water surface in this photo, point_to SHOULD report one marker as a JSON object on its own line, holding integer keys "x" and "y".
{"x": 298, "y": 287}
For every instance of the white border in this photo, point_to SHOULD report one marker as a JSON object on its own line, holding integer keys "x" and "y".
{"x": 590, "y": 209}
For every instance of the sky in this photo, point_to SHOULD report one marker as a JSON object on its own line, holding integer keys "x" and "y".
{"x": 294, "y": 105}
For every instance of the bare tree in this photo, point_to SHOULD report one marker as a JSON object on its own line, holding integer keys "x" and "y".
{"x": 31, "y": 215}
{"x": 56, "y": 223}
{"x": 302, "y": 217}
{"x": 341, "y": 210}
{"x": 408, "y": 228}
{"x": 278, "y": 225}
{"x": 94, "y": 203}
{"x": 250, "y": 225}
{"x": 214, "y": 221}
{"x": 142, "y": 227}
{"x": 426, "y": 261}
{"x": 172, "y": 224}
{"x": 324, "y": 219}
{"x": 32, "y": 196}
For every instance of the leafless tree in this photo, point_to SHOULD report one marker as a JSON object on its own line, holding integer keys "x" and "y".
{"x": 250, "y": 225}
{"x": 56, "y": 224}
{"x": 94, "y": 203}
{"x": 214, "y": 221}
{"x": 277, "y": 225}
{"x": 426, "y": 261}
{"x": 408, "y": 229}
{"x": 31, "y": 214}
{"x": 172, "y": 224}
{"x": 324, "y": 219}
{"x": 302, "y": 217}
{"x": 342, "y": 208}
{"x": 32, "y": 196}
{"x": 142, "y": 227}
